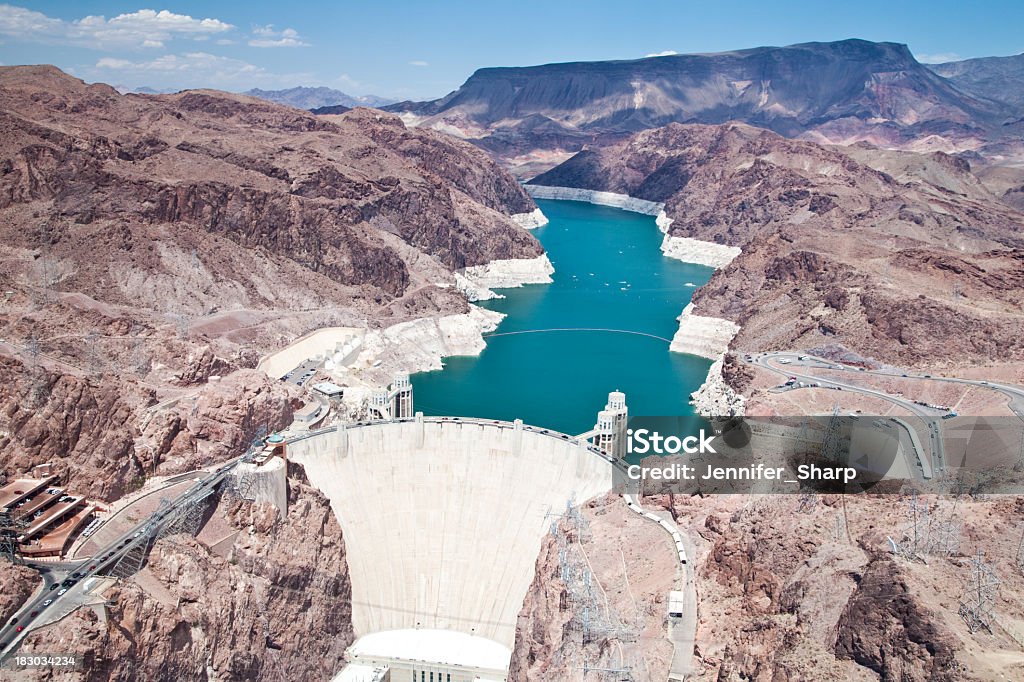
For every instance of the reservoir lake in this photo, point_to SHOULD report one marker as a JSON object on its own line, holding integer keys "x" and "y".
{"x": 603, "y": 324}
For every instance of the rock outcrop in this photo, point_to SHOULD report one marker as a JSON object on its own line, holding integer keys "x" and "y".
{"x": 274, "y": 605}
{"x": 476, "y": 282}
{"x": 785, "y": 595}
{"x": 19, "y": 584}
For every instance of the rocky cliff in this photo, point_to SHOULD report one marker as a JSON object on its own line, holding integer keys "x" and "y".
{"x": 104, "y": 434}
{"x": 904, "y": 257}
{"x": 261, "y": 609}
{"x": 796, "y": 589}
{"x": 996, "y": 78}
{"x": 631, "y": 565}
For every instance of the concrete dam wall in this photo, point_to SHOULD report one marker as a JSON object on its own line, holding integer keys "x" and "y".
{"x": 443, "y": 520}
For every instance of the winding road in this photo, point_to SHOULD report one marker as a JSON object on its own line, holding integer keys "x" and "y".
{"x": 772, "y": 361}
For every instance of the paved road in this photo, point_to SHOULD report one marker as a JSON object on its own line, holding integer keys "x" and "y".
{"x": 1013, "y": 392}
{"x": 74, "y": 575}
{"x": 929, "y": 416}
{"x": 682, "y": 632}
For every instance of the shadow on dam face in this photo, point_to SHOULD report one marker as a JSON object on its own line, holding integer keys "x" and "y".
{"x": 443, "y": 520}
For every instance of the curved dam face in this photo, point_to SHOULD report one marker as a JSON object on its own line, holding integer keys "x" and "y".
{"x": 443, "y": 519}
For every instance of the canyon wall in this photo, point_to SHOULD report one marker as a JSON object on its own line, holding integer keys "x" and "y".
{"x": 826, "y": 246}
{"x": 276, "y": 604}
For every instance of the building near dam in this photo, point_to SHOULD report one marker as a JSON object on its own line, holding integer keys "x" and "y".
{"x": 443, "y": 519}
{"x": 610, "y": 430}
{"x": 394, "y": 402}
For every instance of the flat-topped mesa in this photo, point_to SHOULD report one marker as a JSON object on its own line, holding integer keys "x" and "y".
{"x": 840, "y": 91}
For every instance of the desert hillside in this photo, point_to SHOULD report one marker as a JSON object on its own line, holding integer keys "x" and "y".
{"x": 905, "y": 257}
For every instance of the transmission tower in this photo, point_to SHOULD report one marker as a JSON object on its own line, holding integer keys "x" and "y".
{"x": 589, "y": 615}
{"x": 976, "y": 604}
{"x": 807, "y": 502}
{"x": 840, "y": 527}
{"x": 928, "y": 532}
{"x": 10, "y": 529}
{"x": 1019, "y": 559}
{"x": 832, "y": 445}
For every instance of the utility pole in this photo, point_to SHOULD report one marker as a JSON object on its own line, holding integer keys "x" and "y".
{"x": 976, "y": 604}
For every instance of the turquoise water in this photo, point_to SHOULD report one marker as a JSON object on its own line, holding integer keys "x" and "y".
{"x": 609, "y": 274}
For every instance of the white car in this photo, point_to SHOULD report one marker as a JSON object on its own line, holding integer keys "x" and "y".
{"x": 61, "y": 591}
{"x": 47, "y": 602}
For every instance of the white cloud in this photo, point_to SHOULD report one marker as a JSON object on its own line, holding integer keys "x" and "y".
{"x": 348, "y": 81}
{"x": 938, "y": 58}
{"x": 663, "y": 53}
{"x": 266, "y": 36}
{"x": 418, "y": 62}
{"x": 190, "y": 70}
{"x": 144, "y": 28}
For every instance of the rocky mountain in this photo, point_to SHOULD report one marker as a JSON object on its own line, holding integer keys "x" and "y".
{"x": 841, "y": 91}
{"x": 150, "y": 243}
{"x": 784, "y": 596}
{"x": 904, "y": 257}
{"x": 332, "y": 109}
{"x": 313, "y": 98}
{"x": 996, "y": 78}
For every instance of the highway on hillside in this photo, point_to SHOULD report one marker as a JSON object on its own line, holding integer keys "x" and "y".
{"x": 788, "y": 369}
{"x": 65, "y": 581}
{"x": 1011, "y": 391}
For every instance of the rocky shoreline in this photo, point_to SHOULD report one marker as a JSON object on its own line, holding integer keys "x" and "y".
{"x": 697, "y": 251}
{"x": 706, "y": 337}
{"x": 531, "y": 220}
{"x": 420, "y": 345}
{"x": 681, "y": 248}
{"x": 476, "y": 282}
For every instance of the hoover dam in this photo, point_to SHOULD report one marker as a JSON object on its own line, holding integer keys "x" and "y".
{"x": 443, "y": 520}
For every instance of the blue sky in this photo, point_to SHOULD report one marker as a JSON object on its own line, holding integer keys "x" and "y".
{"x": 425, "y": 49}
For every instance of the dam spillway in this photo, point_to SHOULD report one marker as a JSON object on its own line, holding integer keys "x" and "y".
{"x": 443, "y": 519}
